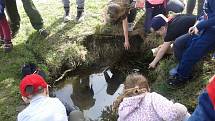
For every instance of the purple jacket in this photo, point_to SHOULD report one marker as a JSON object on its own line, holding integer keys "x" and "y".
{"x": 150, "y": 107}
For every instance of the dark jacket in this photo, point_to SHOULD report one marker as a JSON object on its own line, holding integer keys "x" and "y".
{"x": 2, "y": 6}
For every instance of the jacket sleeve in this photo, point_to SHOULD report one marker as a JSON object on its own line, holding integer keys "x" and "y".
{"x": 167, "y": 110}
{"x": 204, "y": 110}
{"x": 2, "y": 6}
{"x": 206, "y": 23}
{"x": 128, "y": 106}
{"x": 211, "y": 21}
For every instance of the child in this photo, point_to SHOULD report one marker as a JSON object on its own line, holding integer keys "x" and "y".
{"x": 80, "y": 10}
{"x": 138, "y": 104}
{"x": 123, "y": 11}
{"x": 205, "y": 110}
{"x": 126, "y": 11}
{"x": 33, "y": 14}
{"x": 73, "y": 113}
{"x": 155, "y": 7}
{"x": 13, "y": 16}
{"x": 170, "y": 29}
{"x": 34, "y": 90}
{"x": 5, "y": 29}
{"x": 192, "y": 47}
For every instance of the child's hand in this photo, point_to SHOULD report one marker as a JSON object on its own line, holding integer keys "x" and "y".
{"x": 139, "y": 4}
{"x": 26, "y": 100}
{"x": 152, "y": 65}
{"x": 193, "y": 30}
{"x": 127, "y": 45}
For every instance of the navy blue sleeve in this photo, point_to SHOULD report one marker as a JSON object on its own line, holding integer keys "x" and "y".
{"x": 206, "y": 23}
{"x": 204, "y": 110}
{"x": 211, "y": 17}
{"x": 2, "y": 5}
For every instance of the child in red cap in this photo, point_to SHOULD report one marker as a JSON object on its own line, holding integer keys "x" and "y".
{"x": 205, "y": 111}
{"x": 34, "y": 90}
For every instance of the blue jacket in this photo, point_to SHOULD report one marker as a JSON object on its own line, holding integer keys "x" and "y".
{"x": 2, "y": 6}
{"x": 205, "y": 109}
{"x": 209, "y": 10}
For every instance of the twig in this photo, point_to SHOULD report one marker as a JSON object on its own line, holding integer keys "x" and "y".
{"x": 63, "y": 75}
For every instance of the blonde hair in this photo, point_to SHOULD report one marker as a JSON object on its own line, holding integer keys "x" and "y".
{"x": 135, "y": 84}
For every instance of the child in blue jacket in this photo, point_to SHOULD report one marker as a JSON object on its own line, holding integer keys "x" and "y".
{"x": 5, "y": 33}
{"x": 192, "y": 47}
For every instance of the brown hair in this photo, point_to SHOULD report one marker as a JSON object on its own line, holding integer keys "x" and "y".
{"x": 117, "y": 10}
{"x": 135, "y": 84}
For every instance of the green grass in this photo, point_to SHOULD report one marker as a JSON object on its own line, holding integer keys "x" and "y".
{"x": 188, "y": 93}
{"x": 30, "y": 47}
{"x": 64, "y": 46}
{"x": 48, "y": 53}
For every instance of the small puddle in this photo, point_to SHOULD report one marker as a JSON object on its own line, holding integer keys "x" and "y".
{"x": 91, "y": 93}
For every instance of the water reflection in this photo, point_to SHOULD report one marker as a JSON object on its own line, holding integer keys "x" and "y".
{"x": 113, "y": 78}
{"x": 64, "y": 95}
{"x": 91, "y": 93}
{"x": 83, "y": 93}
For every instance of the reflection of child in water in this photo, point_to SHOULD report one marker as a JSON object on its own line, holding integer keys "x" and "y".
{"x": 138, "y": 104}
{"x": 113, "y": 81}
{"x": 82, "y": 96}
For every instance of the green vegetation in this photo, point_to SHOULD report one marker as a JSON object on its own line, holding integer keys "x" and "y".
{"x": 48, "y": 53}
{"x": 64, "y": 48}
{"x": 187, "y": 94}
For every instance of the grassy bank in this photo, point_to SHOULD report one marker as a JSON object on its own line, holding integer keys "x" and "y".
{"x": 48, "y": 53}
{"x": 64, "y": 47}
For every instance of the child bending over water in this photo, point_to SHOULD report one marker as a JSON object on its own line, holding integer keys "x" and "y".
{"x": 137, "y": 103}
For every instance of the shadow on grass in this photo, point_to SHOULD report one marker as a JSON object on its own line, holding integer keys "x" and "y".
{"x": 10, "y": 76}
{"x": 11, "y": 63}
{"x": 39, "y": 45}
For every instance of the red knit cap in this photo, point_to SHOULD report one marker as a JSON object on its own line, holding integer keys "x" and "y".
{"x": 211, "y": 90}
{"x": 34, "y": 80}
